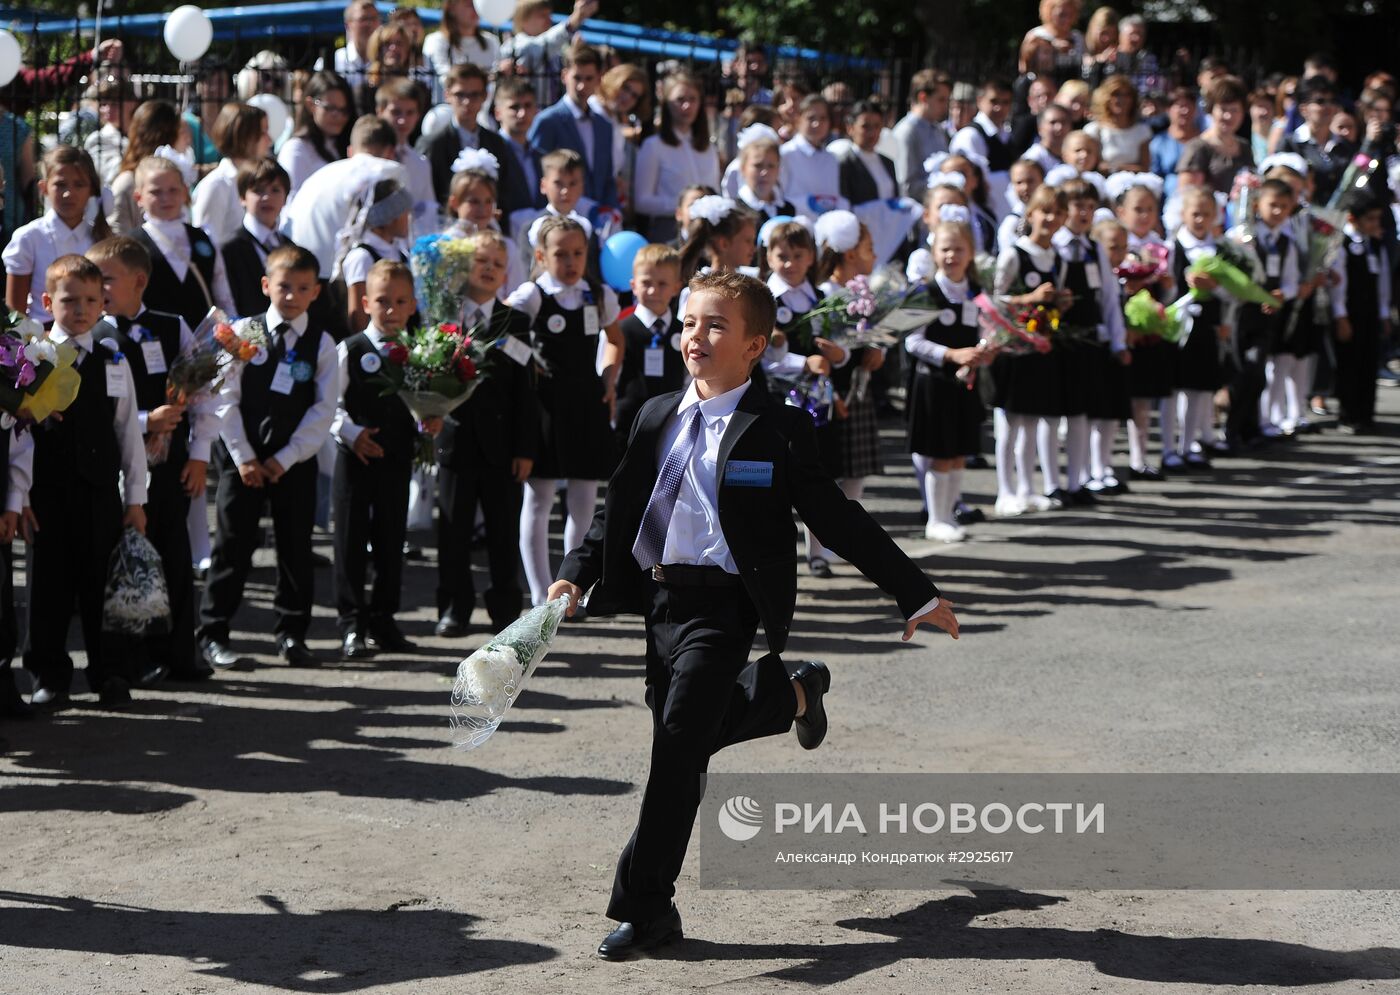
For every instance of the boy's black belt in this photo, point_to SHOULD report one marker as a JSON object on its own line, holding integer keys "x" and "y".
{"x": 691, "y": 575}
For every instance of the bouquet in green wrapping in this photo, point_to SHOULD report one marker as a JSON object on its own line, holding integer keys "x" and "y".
{"x": 1145, "y": 316}
{"x": 1231, "y": 278}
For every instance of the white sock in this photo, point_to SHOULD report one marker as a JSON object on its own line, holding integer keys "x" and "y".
{"x": 1166, "y": 413}
{"x": 1077, "y": 451}
{"x": 1047, "y": 446}
{"x": 1102, "y": 432}
{"x": 197, "y": 526}
{"x": 1023, "y": 433}
{"x": 1198, "y": 412}
{"x": 1137, "y": 434}
{"x": 1294, "y": 386}
{"x": 955, "y": 479}
{"x": 1005, "y": 455}
{"x": 581, "y": 502}
{"x": 534, "y": 537}
{"x": 923, "y": 466}
{"x": 942, "y": 497}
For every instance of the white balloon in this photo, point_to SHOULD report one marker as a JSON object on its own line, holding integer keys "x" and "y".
{"x": 276, "y": 111}
{"x": 188, "y": 33}
{"x": 9, "y": 58}
{"x": 495, "y": 12}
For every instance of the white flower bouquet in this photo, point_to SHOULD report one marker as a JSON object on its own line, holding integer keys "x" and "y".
{"x": 489, "y": 681}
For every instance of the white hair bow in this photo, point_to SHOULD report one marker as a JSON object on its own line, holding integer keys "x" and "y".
{"x": 838, "y": 231}
{"x": 932, "y": 163}
{"x": 1288, "y": 160}
{"x": 184, "y": 161}
{"x": 713, "y": 209}
{"x": 478, "y": 159}
{"x": 955, "y": 180}
{"x": 955, "y": 213}
{"x": 756, "y": 133}
{"x": 1120, "y": 183}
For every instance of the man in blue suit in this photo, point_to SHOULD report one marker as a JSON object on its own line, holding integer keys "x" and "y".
{"x": 572, "y": 124}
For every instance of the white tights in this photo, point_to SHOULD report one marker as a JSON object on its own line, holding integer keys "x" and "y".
{"x": 1284, "y": 396}
{"x": 1102, "y": 433}
{"x": 853, "y": 488}
{"x": 580, "y": 499}
{"x": 945, "y": 490}
{"x": 1138, "y": 427}
{"x": 923, "y": 466}
{"x": 1015, "y": 453}
{"x": 1047, "y": 447}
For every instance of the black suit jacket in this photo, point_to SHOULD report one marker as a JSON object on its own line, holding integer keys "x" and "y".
{"x": 857, "y": 185}
{"x": 501, "y": 420}
{"x": 444, "y": 145}
{"x": 634, "y": 388}
{"x": 245, "y": 272}
{"x": 757, "y": 521}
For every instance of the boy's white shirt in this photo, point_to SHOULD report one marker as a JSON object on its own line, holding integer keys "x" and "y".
{"x": 315, "y": 424}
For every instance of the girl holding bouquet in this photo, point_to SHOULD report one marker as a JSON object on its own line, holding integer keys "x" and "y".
{"x": 1138, "y": 206}
{"x": 1029, "y": 277}
{"x": 575, "y": 333}
{"x": 852, "y": 452}
{"x": 945, "y": 413}
{"x": 1198, "y": 374}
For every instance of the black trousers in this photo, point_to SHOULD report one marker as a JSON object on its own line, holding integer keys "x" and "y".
{"x": 1247, "y": 384}
{"x": 499, "y": 496}
{"x": 167, "y": 508}
{"x": 1357, "y": 362}
{"x": 704, "y": 695}
{"x": 9, "y": 624}
{"x": 238, "y": 508}
{"x": 370, "y": 505}
{"x": 68, "y": 563}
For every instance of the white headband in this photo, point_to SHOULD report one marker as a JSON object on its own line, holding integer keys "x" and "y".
{"x": 838, "y": 231}
{"x": 478, "y": 159}
{"x": 1289, "y": 160}
{"x": 1120, "y": 183}
{"x": 955, "y": 180}
{"x": 766, "y": 231}
{"x": 756, "y": 133}
{"x": 713, "y": 209}
{"x": 955, "y": 213}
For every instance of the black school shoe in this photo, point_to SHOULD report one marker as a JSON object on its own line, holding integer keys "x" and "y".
{"x": 816, "y": 682}
{"x": 116, "y": 693}
{"x": 967, "y": 515}
{"x": 294, "y": 650}
{"x": 632, "y": 938}
{"x": 386, "y": 636}
{"x": 1082, "y": 498}
{"x": 1146, "y": 473}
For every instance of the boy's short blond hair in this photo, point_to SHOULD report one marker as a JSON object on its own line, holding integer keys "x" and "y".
{"x": 71, "y": 267}
{"x": 389, "y": 270}
{"x": 657, "y": 255}
{"x": 485, "y": 237}
{"x": 293, "y": 258}
{"x": 121, "y": 249}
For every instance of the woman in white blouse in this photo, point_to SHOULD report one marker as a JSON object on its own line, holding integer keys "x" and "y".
{"x": 321, "y": 129}
{"x": 677, "y": 156}
{"x": 460, "y": 39}
{"x": 240, "y": 132}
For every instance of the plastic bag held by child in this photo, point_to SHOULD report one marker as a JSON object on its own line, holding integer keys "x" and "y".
{"x": 137, "y": 602}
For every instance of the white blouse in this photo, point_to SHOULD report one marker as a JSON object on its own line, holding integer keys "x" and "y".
{"x": 663, "y": 171}
{"x": 35, "y": 245}
{"x": 215, "y": 206}
{"x": 300, "y": 159}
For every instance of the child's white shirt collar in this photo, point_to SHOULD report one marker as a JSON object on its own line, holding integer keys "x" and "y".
{"x": 1043, "y": 258}
{"x": 955, "y": 290}
{"x": 1189, "y": 241}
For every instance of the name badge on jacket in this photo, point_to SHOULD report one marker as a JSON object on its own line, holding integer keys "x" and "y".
{"x": 740, "y": 473}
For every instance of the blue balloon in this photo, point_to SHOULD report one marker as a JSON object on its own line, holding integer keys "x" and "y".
{"x": 616, "y": 258}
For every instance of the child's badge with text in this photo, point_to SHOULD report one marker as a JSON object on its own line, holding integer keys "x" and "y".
{"x": 282, "y": 381}
{"x": 516, "y": 349}
{"x": 743, "y": 473}
{"x": 1091, "y": 275}
{"x": 590, "y": 319}
{"x": 116, "y": 377}
{"x": 370, "y": 362}
{"x": 1273, "y": 265}
{"x": 153, "y": 356}
{"x": 654, "y": 361}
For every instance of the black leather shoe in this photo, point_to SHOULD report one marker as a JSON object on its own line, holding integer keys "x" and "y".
{"x": 1059, "y": 498}
{"x": 196, "y": 671}
{"x": 219, "y": 656}
{"x": 354, "y": 647}
{"x": 293, "y": 649}
{"x": 116, "y": 693}
{"x": 449, "y": 628}
{"x": 811, "y": 724}
{"x": 12, "y": 706}
{"x": 388, "y": 637}
{"x": 1146, "y": 473}
{"x": 968, "y": 515}
{"x": 1082, "y": 498}
{"x": 818, "y": 567}
{"x": 49, "y": 699}
{"x": 152, "y": 675}
{"x": 632, "y": 938}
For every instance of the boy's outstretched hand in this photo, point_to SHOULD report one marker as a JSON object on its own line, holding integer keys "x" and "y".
{"x": 561, "y": 587}
{"x": 941, "y": 616}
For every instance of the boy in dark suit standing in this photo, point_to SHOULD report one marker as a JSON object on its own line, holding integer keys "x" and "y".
{"x": 466, "y": 85}
{"x": 263, "y": 186}
{"x": 572, "y": 124}
{"x": 485, "y": 453}
{"x": 651, "y": 361}
{"x": 697, "y": 534}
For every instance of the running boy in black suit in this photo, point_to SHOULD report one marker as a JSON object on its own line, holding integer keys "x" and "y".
{"x": 697, "y": 534}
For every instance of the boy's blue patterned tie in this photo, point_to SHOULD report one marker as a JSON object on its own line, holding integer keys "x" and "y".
{"x": 651, "y": 538}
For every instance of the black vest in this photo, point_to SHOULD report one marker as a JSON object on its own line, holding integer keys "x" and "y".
{"x": 270, "y": 418}
{"x": 999, "y": 158}
{"x": 367, "y": 404}
{"x": 183, "y": 297}
{"x": 1086, "y": 311}
{"x": 1027, "y": 265}
{"x": 1363, "y": 286}
{"x": 955, "y": 334}
{"x": 82, "y": 446}
{"x": 1282, "y": 243}
{"x": 151, "y": 387}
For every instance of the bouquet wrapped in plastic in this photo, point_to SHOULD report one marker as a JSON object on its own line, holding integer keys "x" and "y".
{"x": 197, "y": 374}
{"x": 814, "y": 393}
{"x": 491, "y": 679}
{"x": 37, "y": 378}
{"x": 136, "y": 601}
{"x": 1003, "y": 333}
{"x": 1231, "y": 278}
{"x": 1147, "y": 262}
{"x": 1148, "y": 318}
